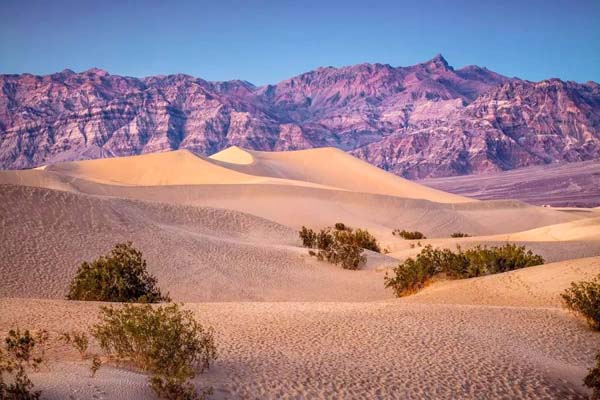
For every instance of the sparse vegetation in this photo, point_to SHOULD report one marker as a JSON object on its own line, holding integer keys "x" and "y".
{"x": 342, "y": 245}
{"x": 308, "y": 236}
{"x": 166, "y": 342}
{"x": 22, "y": 351}
{"x": 413, "y": 274}
{"x": 408, "y": 235}
{"x": 584, "y": 299}
{"x": 366, "y": 240}
{"x": 459, "y": 235}
{"x": 78, "y": 339}
{"x": 120, "y": 276}
{"x": 340, "y": 226}
{"x": 592, "y": 380}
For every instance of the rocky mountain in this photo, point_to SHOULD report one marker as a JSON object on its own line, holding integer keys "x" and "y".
{"x": 426, "y": 120}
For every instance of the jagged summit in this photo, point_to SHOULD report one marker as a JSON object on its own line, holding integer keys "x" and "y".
{"x": 438, "y": 62}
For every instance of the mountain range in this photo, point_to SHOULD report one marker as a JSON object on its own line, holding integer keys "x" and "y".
{"x": 423, "y": 121}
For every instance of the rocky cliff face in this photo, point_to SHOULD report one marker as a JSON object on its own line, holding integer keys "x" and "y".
{"x": 421, "y": 121}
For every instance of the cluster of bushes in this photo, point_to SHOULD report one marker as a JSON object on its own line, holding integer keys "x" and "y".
{"x": 413, "y": 274}
{"x": 583, "y": 298}
{"x": 408, "y": 235}
{"x": 459, "y": 235}
{"x": 166, "y": 342}
{"x": 341, "y": 245}
{"x": 22, "y": 351}
{"x": 120, "y": 276}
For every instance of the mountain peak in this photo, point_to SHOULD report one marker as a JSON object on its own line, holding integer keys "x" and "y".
{"x": 96, "y": 71}
{"x": 438, "y": 62}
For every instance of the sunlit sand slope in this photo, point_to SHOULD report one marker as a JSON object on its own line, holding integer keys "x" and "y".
{"x": 197, "y": 254}
{"x": 332, "y": 167}
{"x": 179, "y": 167}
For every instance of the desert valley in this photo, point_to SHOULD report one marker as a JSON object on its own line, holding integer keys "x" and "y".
{"x": 220, "y": 235}
{"x": 256, "y": 200}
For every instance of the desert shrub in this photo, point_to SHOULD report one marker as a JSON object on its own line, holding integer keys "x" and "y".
{"x": 459, "y": 235}
{"x": 346, "y": 250}
{"x": 325, "y": 239}
{"x": 308, "y": 236}
{"x": 166, "y": 342}
{"x": 342, "y": 245}
{"x": 340, "y": 226}
{"x": 413, "y": 274}
{"x": 505, "y": 258}
{"x": 367, "y": 241}
{"x": 592, "y": 380}
{"x": 408, "y": 235}
{"x": 120, "y": 276}
{"x": 78, "y": 339}
{"x": 584, "y": 299}
{"x": 21, "y": 351}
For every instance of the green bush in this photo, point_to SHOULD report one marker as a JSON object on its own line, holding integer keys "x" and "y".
{"x": 308, "y": 236}
{"x": 121, "y": 276}
{"x": 408, "y": 235}
{"x": 592, "y": 380}
{"x": 166, "y": 342}
{"x": 459, "y": 235}
{"x": 339, "y": 247}
{"x": 342, "y": 245}
{"x": 367, "y": 241}
{"x": 413, "y": 274}
{"x": 21, "y": 351}
{"x": 584, "y": 299}
{"x": 340, "y": 226}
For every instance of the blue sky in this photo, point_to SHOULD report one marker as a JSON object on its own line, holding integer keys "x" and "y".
{"x": 267, "y": 41}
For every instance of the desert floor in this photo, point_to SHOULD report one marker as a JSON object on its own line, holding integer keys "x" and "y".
{"x": 220, "y": 234}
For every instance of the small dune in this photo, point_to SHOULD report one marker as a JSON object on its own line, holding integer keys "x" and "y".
{"x": 538, "y": 286}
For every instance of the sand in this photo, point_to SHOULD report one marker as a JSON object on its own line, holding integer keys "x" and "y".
{"x": 332, "y": 167}
{"x": 220, "y": 234}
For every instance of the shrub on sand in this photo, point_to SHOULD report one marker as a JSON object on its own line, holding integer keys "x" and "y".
{"x": 22, "y": 351}
{"x": 584, "y": 299}
{"x": 408, "y": 235}
{"x": 166, "y": 342}
{"x": 592, "y": 380}
{"x": 120, "y": 276}
{"x": 413, "y": 274}
{"x": 342, "y": 245}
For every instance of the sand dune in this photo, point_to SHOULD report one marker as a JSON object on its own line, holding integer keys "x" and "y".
{"x": 585, "y": 229}
{"x": 331, "y": 167}
{"x": 556, "y": 242}
{"x": 220, "y": 234}
{"x": 197, "y": 254}
{"x": 180, "y": 167}
{"x": 295, "y": 206}
{"x": 538, "y": 286}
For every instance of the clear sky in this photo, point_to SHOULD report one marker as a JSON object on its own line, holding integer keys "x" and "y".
{"x": 267, "y": 41}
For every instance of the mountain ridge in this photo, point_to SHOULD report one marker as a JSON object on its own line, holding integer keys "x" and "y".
{"x": 420, "y": 121}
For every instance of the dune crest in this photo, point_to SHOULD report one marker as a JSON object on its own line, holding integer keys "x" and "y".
{"x": 332, "y": 167}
